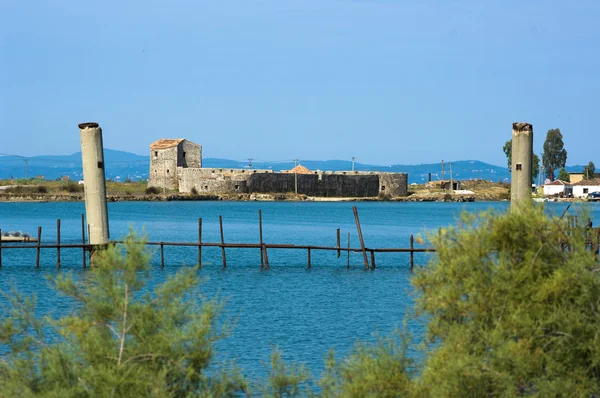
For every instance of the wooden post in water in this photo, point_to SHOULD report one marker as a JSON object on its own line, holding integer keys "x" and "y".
{"x": 58, "y": 243}
{"x": 0, "y": 248}
{"x": 372, "y": 259}
{"x": 222, "y": 242}
{"x": 262, "y": 246}
{"x": 339, "y": 242}
{"x": 83, "y": 237}
{"x": 162, "y": 255}
{"x": 200, "y": 242}
{"x": 266, "y": 256}
{"x": 412, "y": 253}
{"x": 308, "y": 257}
{"x": 360, "y": 237}
{"x": 348, "y": 252}
{"x": 37, "y": 252}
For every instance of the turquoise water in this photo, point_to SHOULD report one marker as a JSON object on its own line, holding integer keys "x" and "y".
{"x": 303, "y": 312}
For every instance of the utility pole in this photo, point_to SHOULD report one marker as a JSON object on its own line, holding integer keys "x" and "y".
{"x": 295, "y": 177}
{"x": 442, "y": 171}
{"x": 26, "y": 168}
{"x": 353, "y": 163}
{"x": 451, "y": 187}
{"x": 250, "y": 162}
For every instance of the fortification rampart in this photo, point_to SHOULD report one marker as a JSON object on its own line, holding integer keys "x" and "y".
{"x": 177, "y": 164}
{"x": 324, "y": 184}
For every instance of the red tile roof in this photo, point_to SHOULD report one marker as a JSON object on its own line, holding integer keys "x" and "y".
{"x": 558, "y": 182}
{"x": 164, "y": 143}
{"x": 590, "y": 182}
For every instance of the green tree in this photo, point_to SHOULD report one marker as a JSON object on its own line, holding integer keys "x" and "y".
{"x": 588, "y": 171}
{"x": 555, "y": 155}
{"x": 535, "y": 160}
{"x": 509, "y": 311}
{"x": 535, "y": 168}
{"x": 563, "y": 175}
{"x": 121, "y": 340}
{"x": 507, "y": 148}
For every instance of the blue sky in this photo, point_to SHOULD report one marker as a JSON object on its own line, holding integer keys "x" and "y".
{"x": 388, "y": 82}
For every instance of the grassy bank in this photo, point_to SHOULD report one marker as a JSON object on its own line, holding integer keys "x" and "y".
{"x": 43, "y": 190}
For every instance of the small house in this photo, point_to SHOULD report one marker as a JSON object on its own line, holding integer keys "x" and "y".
{"x": 558, "y": 188}
{"x": 582, "y": 188}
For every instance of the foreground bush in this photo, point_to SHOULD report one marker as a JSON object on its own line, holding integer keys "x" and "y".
{"x": 122, "y": 340}
{"x": 511, "y": 311}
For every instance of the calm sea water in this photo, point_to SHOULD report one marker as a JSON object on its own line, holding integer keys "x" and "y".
{"x": 303, "y": 312}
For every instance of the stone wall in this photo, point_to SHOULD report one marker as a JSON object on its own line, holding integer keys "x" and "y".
{"x": 163, "y": 168}
{"x": 324, "y": 184}
{"x": 394, "y": 184}
{"x": 190, "y": 154}
{"x": 215, "y": 180}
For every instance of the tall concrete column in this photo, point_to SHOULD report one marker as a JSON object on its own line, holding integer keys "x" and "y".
{"x": 92, "y": 156}
{"x": 522, "y": 153}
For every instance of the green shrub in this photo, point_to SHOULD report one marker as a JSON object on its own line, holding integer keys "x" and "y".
{"x": 120, "y": 340}
{"x": 510, "y": 311}
{"x": 383, "y": 196}
{"x": 41, "y": 189}
{"x": 73, "y": 187}
{"x": 152, "y": 190}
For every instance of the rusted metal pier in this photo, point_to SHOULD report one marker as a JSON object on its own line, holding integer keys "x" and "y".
{"x": 262, "y": 246}
{"x": 593, "y": 243}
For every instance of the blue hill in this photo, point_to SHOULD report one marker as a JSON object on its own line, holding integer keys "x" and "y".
{"x": 122, "y": 165}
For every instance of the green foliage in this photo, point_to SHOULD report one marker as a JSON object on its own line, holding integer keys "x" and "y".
{"x": 73, "y": 187}
{"x": 284, "y": 380}
{"x": 535, "y": 160}
{"x": 555, "y": 155}
{"x": 507, "y": 148}
{"x": 121, "y": 340}
{"x": 535, "y": 167}
{"x": 380, "y": 370}
{"x": 510, "y": 312}
{"x": 563, "y": 175}
{"x": 152, "y": 190}
{"x": 589, "y": 171}
{"x": 384, "y": 196}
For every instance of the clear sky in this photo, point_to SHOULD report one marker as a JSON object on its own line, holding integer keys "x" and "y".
{"x": 388, "y": 82}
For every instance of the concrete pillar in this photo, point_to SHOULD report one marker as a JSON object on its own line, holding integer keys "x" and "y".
{"x": 522, "y": 152}
{"x": 92, "y": 156}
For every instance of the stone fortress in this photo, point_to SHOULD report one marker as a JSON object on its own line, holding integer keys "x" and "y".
{"x": 177, "y": 164}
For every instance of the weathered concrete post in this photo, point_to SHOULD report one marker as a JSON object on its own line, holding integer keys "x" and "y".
{"x": 92, "y": 156}
{"x": 522, "y": 152}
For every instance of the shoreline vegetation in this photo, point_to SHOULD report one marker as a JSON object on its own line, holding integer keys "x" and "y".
{"x": 70, "y": 191}
{"x": 33, "y": 190}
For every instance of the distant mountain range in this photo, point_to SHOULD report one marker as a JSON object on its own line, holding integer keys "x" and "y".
{"x": 125, "y": 165}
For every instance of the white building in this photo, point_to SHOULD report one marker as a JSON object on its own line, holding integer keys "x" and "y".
{"x": 582, "y": 188}
{"x": 558, "y": 188}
